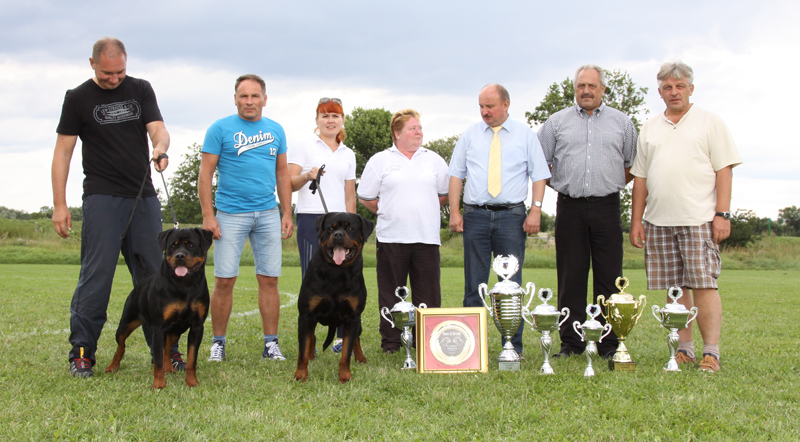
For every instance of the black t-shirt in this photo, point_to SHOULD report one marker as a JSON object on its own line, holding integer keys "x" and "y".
{"x": 111, "y": 126}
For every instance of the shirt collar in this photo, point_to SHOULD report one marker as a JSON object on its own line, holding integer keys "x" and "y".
{"x": 317, "y": 139}
{"x": 581, "y": 111}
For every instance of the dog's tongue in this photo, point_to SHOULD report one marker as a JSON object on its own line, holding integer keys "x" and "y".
{"x": 181, "y": 271}
{"x": 338, "y": 255}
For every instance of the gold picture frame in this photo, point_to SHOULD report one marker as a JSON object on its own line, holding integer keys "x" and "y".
{"x": 452, "y": 340}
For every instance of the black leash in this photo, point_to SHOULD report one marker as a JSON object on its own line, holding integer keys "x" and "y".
{"x": 314, "y": 187}
{"x": 141, "y": 189}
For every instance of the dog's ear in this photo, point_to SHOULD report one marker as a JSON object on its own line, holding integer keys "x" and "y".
{"x": 162, "y": 239}
{"x": 366, "y": 227}
{"x": 319, "y": 223}
{"x": 206, "y": 238}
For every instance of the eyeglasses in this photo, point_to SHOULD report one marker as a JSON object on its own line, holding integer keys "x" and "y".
{"x": 324, "y": 100}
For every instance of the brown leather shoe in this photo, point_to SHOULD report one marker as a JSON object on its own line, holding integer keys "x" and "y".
{"x": 682, "y": 357}
{"x": 709, "y": 364}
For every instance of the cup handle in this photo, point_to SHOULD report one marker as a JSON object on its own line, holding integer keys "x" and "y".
{"x": 565, "y": 312}
{"x": 607, "y": 328}
{"x": 483, "y": 290}
{"x": 385, "y": 313}
{"x": 575, "y": 326}
{"x": 656, "y": 313}
{"x": 601, "y": 302}
{"x": 531, "y": 292}
{"x": 525, "y": 314}
{"x": 693, "y": 316}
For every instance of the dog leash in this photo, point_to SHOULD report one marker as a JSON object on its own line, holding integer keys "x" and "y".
{"x": 141, "y": 189}
{"x": 314, "y": 187}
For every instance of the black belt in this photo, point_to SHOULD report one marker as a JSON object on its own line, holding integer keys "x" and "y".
{"x": 496, "y": 207}
{"x": 591, "y": 198}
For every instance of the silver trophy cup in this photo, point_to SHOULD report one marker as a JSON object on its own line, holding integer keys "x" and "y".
{"x": 590, "y": 332}
{"x": 403, "y": 315}
{"x": 674, "y": 316}
{"x": 505, "y": 306}
{"x": 544, "y": 318}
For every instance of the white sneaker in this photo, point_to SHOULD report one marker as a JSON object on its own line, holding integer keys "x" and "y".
{"x": 217, "y": 352}
{"x": 272, "y": 351}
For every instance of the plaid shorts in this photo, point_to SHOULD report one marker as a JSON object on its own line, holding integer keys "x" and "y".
{"x": 683, "y": 256}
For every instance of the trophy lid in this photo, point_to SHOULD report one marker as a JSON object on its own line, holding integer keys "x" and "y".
{"x": 506, "y": 267}
{"x": 403, "y": 306}
{"x": 592, "y": 310}
{"x": 545, "y": 309}
{"x": 675, "y": 293}
{"x": 622, "y": 297}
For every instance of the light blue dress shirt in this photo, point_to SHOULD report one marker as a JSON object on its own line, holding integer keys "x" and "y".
{"x": 521, "y": 159}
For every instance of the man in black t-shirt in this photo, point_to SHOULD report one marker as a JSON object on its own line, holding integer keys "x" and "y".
{"x": 113, "y": 115}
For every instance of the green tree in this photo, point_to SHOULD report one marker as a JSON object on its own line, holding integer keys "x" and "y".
{"x": 183, "y": 189}
{"x": 743, "y": 230}
{"x": 368, "y": 132}
{"x": 621, "y": 94}
{"x": 789, "y": 219}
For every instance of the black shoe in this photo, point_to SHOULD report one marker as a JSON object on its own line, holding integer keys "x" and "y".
{"x": 565, "y": 353}
{"x": 390, "y": 351}
{"x": 608, "y": 355}
{"x": 81, "y": 368}
{"x": 177, "y": 362}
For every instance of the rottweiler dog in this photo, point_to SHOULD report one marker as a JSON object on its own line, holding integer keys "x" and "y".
{"x": 173, "y": 300}
{"x": 333, "y": 291}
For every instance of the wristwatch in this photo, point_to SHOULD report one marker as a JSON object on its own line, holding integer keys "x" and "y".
{"x": 725, "y": 215}
{"x": 537, "y": 204}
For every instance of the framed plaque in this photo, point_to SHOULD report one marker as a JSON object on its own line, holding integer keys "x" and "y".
{"x": 452, "y": 340}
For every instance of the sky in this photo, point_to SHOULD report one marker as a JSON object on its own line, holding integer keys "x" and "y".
{"x": 433, "y": 56}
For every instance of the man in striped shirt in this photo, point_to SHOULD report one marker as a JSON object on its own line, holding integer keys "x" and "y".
{"x": 590, "y": 148}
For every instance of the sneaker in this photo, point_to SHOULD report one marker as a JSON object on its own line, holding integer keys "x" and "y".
{"x": 709, "y": 364}
{"x": 177, "y": 362}
{"x": 681, "y": 357}
{"x": 81, "y": 368}
{"x": 337, "y": 345}
{"x": 272, "y": 351}
{"x": 217, "y": 351}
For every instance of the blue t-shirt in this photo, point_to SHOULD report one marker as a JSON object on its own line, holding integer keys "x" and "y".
{"x": 248, "y": 151}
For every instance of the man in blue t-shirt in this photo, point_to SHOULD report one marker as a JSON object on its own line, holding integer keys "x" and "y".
{"x": 248, "y": 152}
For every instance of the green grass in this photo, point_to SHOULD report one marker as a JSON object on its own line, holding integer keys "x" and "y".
{"x": 754, "y": 397}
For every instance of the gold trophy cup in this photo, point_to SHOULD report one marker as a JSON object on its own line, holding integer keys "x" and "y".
{"x": 622, "y": 311}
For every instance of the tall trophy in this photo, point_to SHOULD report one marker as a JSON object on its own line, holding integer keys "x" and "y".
{"x": 506, "y": 308}
{"x": 403, "y": 314}
{"x": 591, "y": 331}
{"x": 622, "y": 312}
{"x": 674, "y": 316}
{"x": 544, "y": 318}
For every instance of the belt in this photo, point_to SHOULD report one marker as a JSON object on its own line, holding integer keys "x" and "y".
{"x": 590, "y": 198}
{"x": 496, "y": 207}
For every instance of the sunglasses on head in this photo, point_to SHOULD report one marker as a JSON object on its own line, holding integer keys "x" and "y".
{"x": 324, "y": 100}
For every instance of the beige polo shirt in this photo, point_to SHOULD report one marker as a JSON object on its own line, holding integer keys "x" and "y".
{"x": 680, "y": 162}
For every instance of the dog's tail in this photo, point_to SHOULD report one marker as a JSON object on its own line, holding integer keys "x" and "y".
{"x": 329, "y": 339}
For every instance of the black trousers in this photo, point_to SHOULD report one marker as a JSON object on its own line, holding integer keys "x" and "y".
{"x": 396, "y": 264}
{"x": 588, "y": 232}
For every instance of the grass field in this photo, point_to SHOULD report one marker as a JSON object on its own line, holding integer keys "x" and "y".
{"x": 754, "y": 397}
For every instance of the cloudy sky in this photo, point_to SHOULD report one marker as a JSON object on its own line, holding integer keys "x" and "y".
{"x": 430, "y": 55}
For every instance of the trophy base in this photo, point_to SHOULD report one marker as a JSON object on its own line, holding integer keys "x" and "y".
{"x": 508, "y": 365}
{"x": 621, "y": 366}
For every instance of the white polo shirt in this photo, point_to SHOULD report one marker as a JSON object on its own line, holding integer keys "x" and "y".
{"x": 408, "y": 192}
{"x": 680, "y": 162}
{"x": 340, "y": 165}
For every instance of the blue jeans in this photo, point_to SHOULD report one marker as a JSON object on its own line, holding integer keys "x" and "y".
{"x": 490, "y": 233}
{"x": 264, "y": 230}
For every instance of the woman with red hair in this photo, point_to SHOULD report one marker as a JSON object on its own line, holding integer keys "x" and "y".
{"x": 306, "y": 156}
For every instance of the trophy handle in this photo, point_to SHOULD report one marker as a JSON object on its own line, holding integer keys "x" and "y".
{"x": 575, "y": 326}
{"x": 642, "y": 305}
{"x": 607, "y": 328}
{"x": 693, "y": 316}
{"x": 482, "y": 292}
{"x": 525, "y": 314}
{"x": 530, "y": 289}
{"x": 657, "y": 313}
{"x": 565, "y": 312}
{"x": 601, "y": 302}
{"x": 385, "y": 313}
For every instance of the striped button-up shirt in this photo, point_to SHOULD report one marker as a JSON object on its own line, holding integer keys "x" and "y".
{"x": 588, "y": 154}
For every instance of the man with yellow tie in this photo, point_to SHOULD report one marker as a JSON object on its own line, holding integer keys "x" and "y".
{"x": 498, "y": 157}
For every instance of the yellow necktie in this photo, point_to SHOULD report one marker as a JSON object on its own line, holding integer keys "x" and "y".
{"x": 495, "y": 183}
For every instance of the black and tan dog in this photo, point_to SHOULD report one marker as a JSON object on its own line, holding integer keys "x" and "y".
{"x": 333, "y": 291}
{"x": 172, "y": 301}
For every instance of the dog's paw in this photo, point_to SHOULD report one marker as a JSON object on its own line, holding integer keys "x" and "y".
{"x": 191, "y": 381}
{"x": 344, "y": 376}
{"x": 159, "y": 384}
{"x": 300, "y": 375}
{"x": 112, "y": 368}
